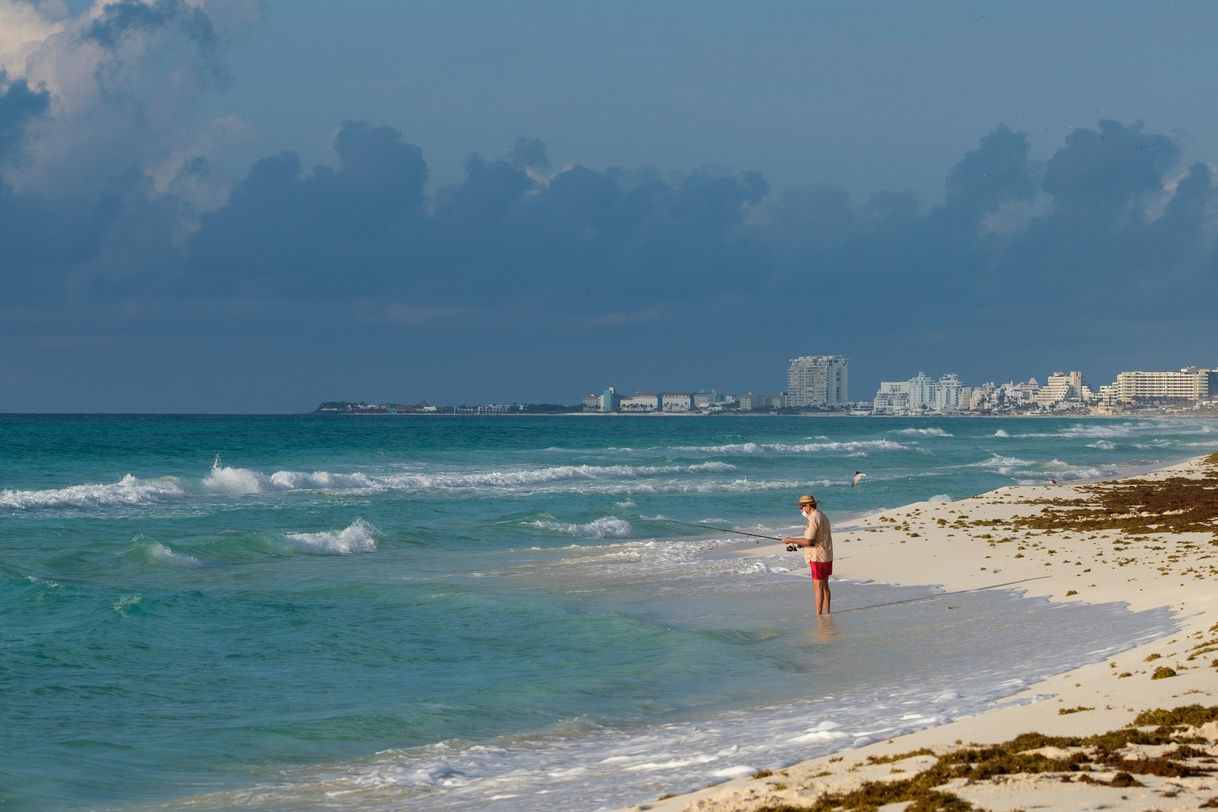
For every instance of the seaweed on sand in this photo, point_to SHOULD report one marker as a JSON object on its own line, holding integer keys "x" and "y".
{"x": 1018, "y": 756}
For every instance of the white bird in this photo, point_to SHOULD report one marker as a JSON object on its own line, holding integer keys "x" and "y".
{"x": 857, "y": 478}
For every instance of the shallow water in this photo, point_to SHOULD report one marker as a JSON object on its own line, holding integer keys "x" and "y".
{"x": 441, "y": 613}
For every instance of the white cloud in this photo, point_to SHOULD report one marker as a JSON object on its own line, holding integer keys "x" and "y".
{"x": 24, "y": 27}
{"x": 125, "y": 89}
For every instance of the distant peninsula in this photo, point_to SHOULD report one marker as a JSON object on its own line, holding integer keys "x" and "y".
{"x": 347, "y": 407}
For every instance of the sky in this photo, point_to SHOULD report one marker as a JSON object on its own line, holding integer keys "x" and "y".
{"x": 257, "y": 205}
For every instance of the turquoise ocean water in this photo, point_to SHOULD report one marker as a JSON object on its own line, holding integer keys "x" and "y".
{"x": 451, "y": 613}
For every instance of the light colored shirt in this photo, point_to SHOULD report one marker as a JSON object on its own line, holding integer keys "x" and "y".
{"x": 821, "y": 537}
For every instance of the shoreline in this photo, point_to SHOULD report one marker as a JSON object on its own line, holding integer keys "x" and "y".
{"x": 1051, "y": 533}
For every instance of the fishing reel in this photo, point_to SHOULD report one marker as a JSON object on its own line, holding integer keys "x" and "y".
{"x": 792, "y": 548}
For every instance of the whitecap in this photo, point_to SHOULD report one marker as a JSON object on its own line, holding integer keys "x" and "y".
{"x": 322, "y": 480}
{"x": 796, "y": 448}
{"x": 233, "y": 481}
{"x": 358, "y": 537}
{"x": 1001, "y": 433}
{"x": 126, "y": 604}
{"x": 1003, "y": 465}
{"x": 930, "y": 432}
{"x": 604, "y": 527}
{"x": 163, "y": 553}
{"x": 129, "y": 490}
{"x": 539, "y": 476}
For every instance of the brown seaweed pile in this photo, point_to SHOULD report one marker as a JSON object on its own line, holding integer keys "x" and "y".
{"x": 1087, "y": 758}
{"x": 1137, "y": 506}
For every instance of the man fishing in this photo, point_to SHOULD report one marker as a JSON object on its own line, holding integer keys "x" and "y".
{"x": 817, "y": 544}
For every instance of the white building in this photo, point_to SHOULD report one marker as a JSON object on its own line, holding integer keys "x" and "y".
{"x": 892, "y": 398}
{"x": 641, "y": 402}
{"x": 677, "y": 402}
{"x": 945, "y": 393}
{"x": 913, "y": 396}
{"x": 1063, "y": 389}
{"x": 817, "y": 381}
{"x": 1191, "y": 383}
{"x": 752, "y": 402}
{"x": 1019, "y": 394}
{"x": 985, "y": 397}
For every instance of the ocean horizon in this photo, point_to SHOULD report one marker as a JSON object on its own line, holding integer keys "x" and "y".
{"x": 308, "y": 612}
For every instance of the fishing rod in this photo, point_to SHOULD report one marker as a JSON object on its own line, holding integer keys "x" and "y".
{"x": 874, "y": 605}
{"x": 725, "y": 530}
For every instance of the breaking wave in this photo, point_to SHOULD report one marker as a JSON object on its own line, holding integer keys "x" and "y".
{"x": 161, "y": 552}
{"x": 355, "y": 538}
{"x": 602, "y": 528}
{"x": 129, "y": 490}
{"x": 931, "y": 432}
{"x": 795, "y": 448}
{"x": 539, "y": 476}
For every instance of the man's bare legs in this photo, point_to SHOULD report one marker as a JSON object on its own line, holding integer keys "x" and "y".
{"x": 824, "y": 598}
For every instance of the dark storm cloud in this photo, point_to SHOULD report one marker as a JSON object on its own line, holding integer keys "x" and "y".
{"x": 997, "y": 171}
{"x": 1096, "y": 175}
{"x": 498, "y": 236}
{"x": 19, "y": 105}
{"x": 124, "y": 18}
{"x": 1024, "y": 265}
{"x": 334, "y": 232}
{"x": 530, "y": 153}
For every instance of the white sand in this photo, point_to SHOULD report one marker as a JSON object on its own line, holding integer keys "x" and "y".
{"x": 917, "y": 544}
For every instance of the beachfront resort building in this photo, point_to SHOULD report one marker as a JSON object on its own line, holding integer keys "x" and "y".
{"x": 921, "y": 394}
{"x": 1189, "y": 384}
{"x": 1064, "y": 391}
{"x": 677, "y": 402}
{"x": 817, "y": 381}
{"x": 945, "y": 394}
{"x": 641, "y": 402}
{"x": 713, "y": 401}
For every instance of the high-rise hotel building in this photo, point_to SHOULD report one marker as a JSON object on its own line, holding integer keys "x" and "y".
{"x": 817, "y": 380}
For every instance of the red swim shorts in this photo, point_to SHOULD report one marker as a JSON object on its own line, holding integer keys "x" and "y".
{"x": 821, "y": 569}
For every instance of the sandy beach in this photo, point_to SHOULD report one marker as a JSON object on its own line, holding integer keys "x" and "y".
{"x": 1137, "y": 731}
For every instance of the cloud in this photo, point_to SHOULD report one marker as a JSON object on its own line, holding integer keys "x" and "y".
{"x": 24, "y": 26}
{"x": 347, "y": 231}
{"x": 1098, "y": 174}
{"x": 522, "y": 273}
{"x": 19, "y": 106}
{"x": 126, "y": 79}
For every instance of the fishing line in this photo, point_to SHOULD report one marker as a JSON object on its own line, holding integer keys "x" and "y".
{"x": 940, "y": 595}
{"x": 874, "y": 605}
{"x": 725, "y": 530}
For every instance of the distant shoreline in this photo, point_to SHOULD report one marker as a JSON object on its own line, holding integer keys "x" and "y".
{"x": 951, "y": 416}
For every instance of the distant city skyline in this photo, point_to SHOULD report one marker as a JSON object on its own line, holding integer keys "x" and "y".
{"x": 255, "y": 205}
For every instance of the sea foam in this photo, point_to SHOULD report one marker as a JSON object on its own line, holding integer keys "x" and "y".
{"x": 930, "y": 432}
{"x": 129, "y": 490}
{"x": 358, "y": 537}
{"x": 795, "y": 448}
{"x": 164, "y": 554}
{"x": 604, "y": 527}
